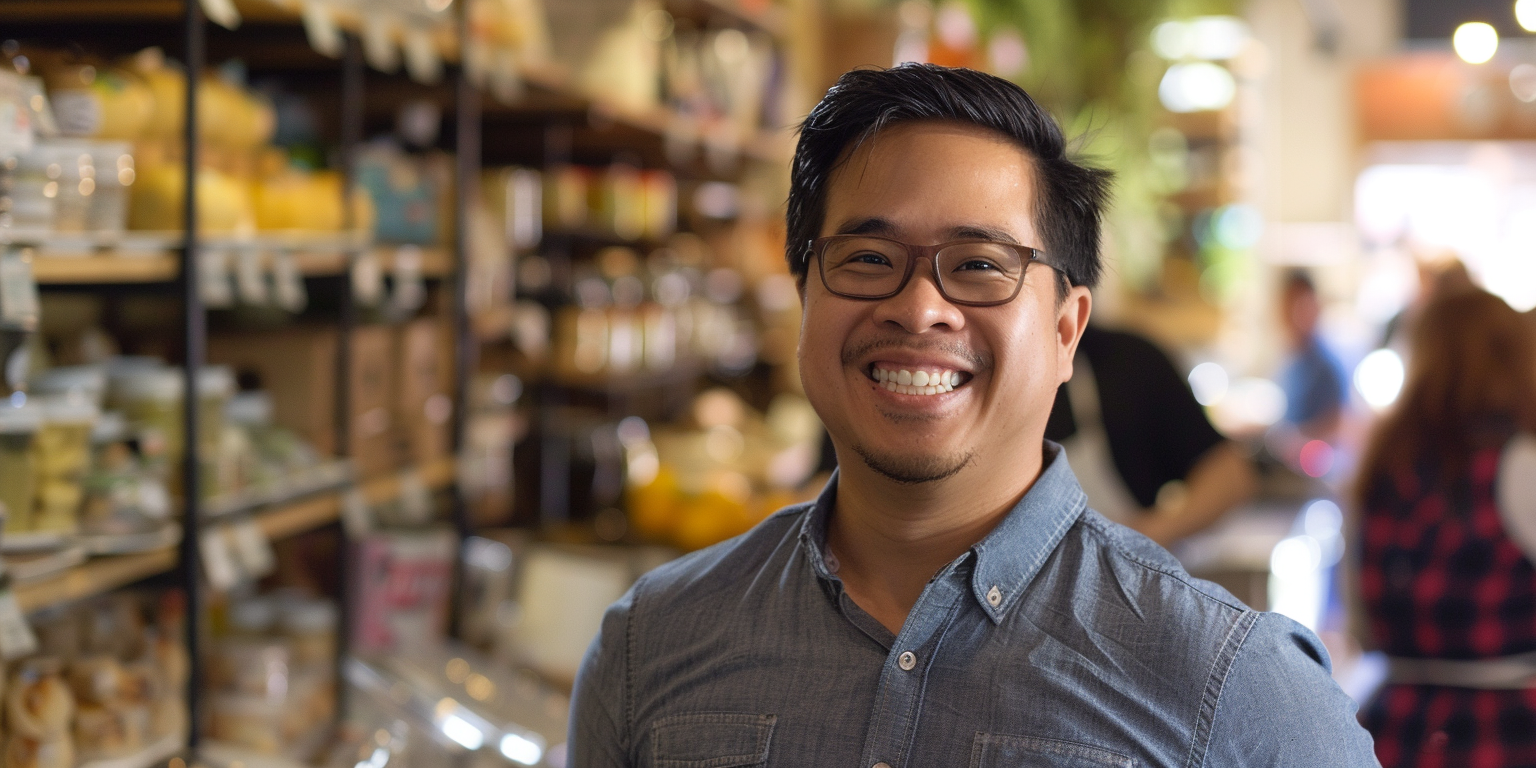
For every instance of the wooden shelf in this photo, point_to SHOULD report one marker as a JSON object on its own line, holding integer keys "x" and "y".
{"x": 94, "y": 577}
{"x": 106, "y": 573}
{"x": 105, "y": 267}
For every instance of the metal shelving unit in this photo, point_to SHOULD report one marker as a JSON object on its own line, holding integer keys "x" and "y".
{"x": 552, "y": 104}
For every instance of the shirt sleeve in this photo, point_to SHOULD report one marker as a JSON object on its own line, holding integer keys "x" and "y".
{"x": 1279, "y": 706}
{"x": 1517, "y": 492}
{"x": 599, "y": 729}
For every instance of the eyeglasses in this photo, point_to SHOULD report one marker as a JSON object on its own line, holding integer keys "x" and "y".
{"x": 977, "y": 273}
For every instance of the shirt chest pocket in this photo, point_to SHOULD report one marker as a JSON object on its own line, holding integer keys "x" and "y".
{"x": 994, "y": 751}
{"x": 711, "y": 740}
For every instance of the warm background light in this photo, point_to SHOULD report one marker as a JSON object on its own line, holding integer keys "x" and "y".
{"x": 1476, "y": 42}
{"x": 1525, "y": 13}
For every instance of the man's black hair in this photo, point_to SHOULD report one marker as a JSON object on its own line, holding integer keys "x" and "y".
{"x": 1069, "y": 197}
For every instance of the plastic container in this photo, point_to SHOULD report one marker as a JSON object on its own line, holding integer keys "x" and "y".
{"x": 148, "y": 395}
{"x": 62, "y": 452}
{"x": 19, "y": 425}
{"x": 310, "y": 626}
{"x": 84, "y": 381}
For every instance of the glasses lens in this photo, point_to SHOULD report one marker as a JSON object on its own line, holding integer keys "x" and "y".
{"x": 980, "y": 272}
{"x": 863, "y": 266}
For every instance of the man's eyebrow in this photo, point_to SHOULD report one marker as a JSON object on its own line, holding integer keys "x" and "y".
{"x": 873, "y": 225}
{"x": 975, "y": 232}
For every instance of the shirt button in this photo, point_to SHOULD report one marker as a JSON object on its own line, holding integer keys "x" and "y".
{"x": 881, "y": 765}
{"x": 994, "y": 596}
{"x": 907, "y": 660}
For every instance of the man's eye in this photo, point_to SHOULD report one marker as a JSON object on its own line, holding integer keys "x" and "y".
{"x": 976, "y": 265}
{"x": 868, "y": 257}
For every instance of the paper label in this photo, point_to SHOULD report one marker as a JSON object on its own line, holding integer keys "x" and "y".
{"x": 250, "y": 280}
{"x": 320, "y": 27}
{"x": 410, "y": 292}
{"x": 18, "y": 291}
{"x": 213, "y": 279}
{"x": 287, "y": 283}
{"x": 356, "y": 515}
{"x": 367, "y": 279}
{"x": 78, "y": 113}
{"x": 222, "y": 13}
{"x": 218, "y": 561}
{"x": 379, "y": 47}
{"x": 16, "y": 638}
{"x": 252, "y": 548}
{"x": 421, "y": 59}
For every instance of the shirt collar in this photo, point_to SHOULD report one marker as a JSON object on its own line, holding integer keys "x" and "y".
{"x": 1010, "y": 556}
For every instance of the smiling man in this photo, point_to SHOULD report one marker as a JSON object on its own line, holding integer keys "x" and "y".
{"x": 949, "y": 600}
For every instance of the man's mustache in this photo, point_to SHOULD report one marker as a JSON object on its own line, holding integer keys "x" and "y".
{"x": 977, "y": 361}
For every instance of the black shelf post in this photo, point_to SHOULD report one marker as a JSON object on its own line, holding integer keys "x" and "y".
{"x": 194, "y": 337}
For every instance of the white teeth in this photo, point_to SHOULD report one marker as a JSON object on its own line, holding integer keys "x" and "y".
{"x": 907, "y": 382}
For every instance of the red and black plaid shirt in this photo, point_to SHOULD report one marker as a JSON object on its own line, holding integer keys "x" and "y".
{"x": 1441, "y": 579}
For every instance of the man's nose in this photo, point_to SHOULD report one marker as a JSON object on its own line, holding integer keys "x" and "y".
{"x": 920, "y": 305}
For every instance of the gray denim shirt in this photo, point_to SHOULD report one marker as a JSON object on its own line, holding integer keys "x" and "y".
{"x": 1061, "y": 639}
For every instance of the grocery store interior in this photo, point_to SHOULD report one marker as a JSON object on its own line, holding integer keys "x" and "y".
{"x": 480, "y": 310}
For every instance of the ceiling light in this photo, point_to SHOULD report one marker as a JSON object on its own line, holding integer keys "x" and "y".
{"x": 1475, "y": 42}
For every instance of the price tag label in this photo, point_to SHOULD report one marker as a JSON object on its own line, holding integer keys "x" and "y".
{"x": 421, "y": 59}
{"x": 367, "y": 279}
{"x": 222, "y": 12}
{"x": 16, "y": 638}
{"x": 219, "y": 563}
{"x": 213, "y": 279}
{"x": 320, "y": 27}
{"x": 18, "y": 290}
{"x": 356, "y": 515}
{"x": 287, "y": 283}
{"x": 252, "y": 548}
{"x": 250, "y": 280}
{"x": 379, "y": 47}
{"x": 506, "y": 80}
{"x": 409, "y": 290}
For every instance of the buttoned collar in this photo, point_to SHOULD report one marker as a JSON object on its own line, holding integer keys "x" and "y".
{"x": 1008, "y": 558}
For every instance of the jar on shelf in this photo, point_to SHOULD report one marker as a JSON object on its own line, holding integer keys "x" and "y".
{"x": 62, "y": 454}
{"x": 19, "y": 424}
{"x": 310, "y": 627}
{"x": 121, "y": 499}
{"x": 38, "y": 711}
{"x": 148, "y": 394}
{"x": 88, "y": 382}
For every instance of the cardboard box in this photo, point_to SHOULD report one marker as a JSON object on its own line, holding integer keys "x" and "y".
{"x": 424, "y": 388}
{"x": 372, "y": 424}
{"x": 297, "y": 367}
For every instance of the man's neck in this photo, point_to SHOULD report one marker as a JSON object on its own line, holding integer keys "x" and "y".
{"x": 891, "y": 538}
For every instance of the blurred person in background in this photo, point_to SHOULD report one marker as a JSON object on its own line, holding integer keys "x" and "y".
{"x": 1131, "y": 427}
{"x": 1316, "y": 388}
{"x": 949, "y": 599}
{"x": 1447, "y": 497}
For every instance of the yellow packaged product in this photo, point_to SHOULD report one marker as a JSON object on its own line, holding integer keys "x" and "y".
{"x": 62, "y": 453}
{"x": 18, "y": 475}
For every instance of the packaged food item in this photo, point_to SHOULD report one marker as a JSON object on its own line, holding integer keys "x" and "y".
{"x": 61, "y": 454}
{"x": 310, "y": 628}
{"x": 148, "y": 393}
{"x": 107, "y": 722}
{"x": 18, "y": 475}
{"x": 38, "y": 712}
{"x": 88, "y": 382}
{"x": 126, "y": 508}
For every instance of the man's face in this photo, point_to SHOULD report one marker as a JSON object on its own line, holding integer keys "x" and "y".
{"x": 926, "y": 183}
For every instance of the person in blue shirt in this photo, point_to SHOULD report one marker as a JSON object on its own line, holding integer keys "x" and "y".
{"x": 1315, "y": 385}
{"x": 949, "y": 599}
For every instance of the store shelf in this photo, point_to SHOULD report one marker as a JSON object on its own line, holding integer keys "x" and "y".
{"x": 105, "y": 267}
{"x": 110, "y": 265}
{"x": 94, "y": 577}
{"x": 103, "y": 574}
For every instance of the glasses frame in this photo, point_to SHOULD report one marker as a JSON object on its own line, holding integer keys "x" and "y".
{"x": 930, "y": 252}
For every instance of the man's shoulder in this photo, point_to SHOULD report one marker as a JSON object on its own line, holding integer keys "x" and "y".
{"x": 1127, "y": 551}
{"x": 722, "y": 570}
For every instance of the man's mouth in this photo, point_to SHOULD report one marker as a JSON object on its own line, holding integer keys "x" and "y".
{"x": 917, "y": 381}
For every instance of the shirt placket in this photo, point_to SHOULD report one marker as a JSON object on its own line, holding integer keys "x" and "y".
{"x": 898, "y": 704}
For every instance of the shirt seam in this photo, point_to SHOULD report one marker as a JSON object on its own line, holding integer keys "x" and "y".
{"x": 1182, "y": 578}
{"x": 1210, "y": 699}
{"x": 627, "y": 732}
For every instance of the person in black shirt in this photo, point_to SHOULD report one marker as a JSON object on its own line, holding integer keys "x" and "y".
{"x": 1131, "y": 426}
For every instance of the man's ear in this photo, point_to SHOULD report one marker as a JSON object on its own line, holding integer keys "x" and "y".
{"x": 1071, "y": 320}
